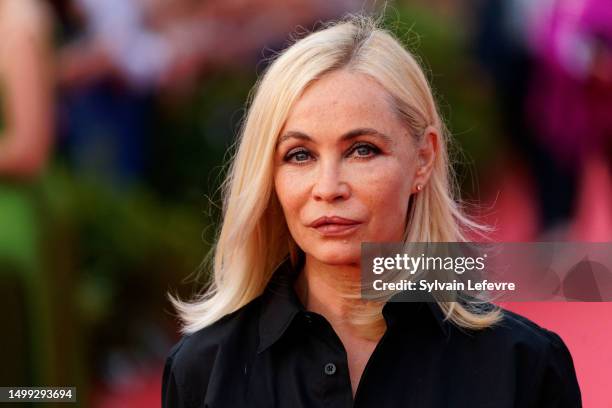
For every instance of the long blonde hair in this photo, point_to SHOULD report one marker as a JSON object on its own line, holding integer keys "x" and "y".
{"x": 254, "y": 238}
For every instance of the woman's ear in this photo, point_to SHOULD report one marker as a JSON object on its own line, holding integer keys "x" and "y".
{"x": 427, "y": 151}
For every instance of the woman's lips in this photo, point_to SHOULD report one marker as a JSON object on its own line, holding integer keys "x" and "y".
{"x": 336, "y": 229}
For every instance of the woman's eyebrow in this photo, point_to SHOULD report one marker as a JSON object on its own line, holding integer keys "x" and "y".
{"x": 347, "y": 136}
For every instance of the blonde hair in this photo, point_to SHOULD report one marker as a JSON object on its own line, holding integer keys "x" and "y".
{"x": 254, "y": 238}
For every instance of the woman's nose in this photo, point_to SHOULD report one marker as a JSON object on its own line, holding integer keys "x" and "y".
{"x": 330, "y": 184}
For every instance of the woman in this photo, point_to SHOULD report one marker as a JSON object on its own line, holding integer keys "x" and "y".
{"x": 26, "y": 121}
{"x": 26, "y": 128}
{"x": 343, "y": 144}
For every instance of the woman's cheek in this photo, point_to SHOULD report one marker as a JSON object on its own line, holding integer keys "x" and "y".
{"x": 382, "y": 182}
{"x": 289, "y": 187}
{"x": 385, "y": 193}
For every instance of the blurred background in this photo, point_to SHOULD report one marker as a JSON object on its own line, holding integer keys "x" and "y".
{"x": 115, "y": 120}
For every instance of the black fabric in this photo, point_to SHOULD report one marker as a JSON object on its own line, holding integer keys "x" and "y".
{"x": 274, "y": 353}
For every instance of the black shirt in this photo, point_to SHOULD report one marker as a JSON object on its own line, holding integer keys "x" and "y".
{"x": 274, "y": 353}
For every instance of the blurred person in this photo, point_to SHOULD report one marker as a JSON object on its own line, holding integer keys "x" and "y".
{"x": 541, "y": 186}
{"x": 343, "y": 144}
{"x": 26, "y": 136}
{"x": 26, "y": 85}
{"x": 570, "y": 101}
{"x": 117, "y": 40}
{"x": 108, "y": 75}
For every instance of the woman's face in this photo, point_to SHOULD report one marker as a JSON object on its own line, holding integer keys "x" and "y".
{"x": 345, "y": 167}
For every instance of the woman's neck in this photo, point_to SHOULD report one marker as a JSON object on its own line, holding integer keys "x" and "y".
{"x": 323, "y": 289}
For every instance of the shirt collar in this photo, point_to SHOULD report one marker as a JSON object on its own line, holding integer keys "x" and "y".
{"x": 280, "y": 305}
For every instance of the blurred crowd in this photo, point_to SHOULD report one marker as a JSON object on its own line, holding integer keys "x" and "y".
{"x": 114, "y": 113}
{"x": 151, "y": 47}
{"x": 551, "y": 63}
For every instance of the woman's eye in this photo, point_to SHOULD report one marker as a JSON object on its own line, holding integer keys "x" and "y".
{"x": 297, "y": 156}
{"x": 365, "y": 150}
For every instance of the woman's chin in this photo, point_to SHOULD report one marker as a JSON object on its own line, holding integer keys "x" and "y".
{"x": 338, "y": 254}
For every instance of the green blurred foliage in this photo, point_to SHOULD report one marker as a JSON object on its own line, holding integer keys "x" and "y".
{"x": 107, "y": 260}
{"x": 120, "y": 235}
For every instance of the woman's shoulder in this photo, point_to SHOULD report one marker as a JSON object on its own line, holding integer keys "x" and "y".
{"x": 191, "y": 361}
{"x": 519, "y": 331}
{"x": 517, "y": 336}
{"x": 25, "y": 15}
{"x": 534, "y": 361}
{"x": 23, "y": 23}
{"x": 524, "y": 347}
{"x": 228, "y": 329}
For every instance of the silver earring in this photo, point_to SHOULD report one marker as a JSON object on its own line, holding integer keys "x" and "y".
{"x": 419, "y": 187}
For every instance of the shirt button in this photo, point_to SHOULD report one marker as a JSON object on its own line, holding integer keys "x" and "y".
{"x": 330, "y": 369}
{"x": 308, "y": 318}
